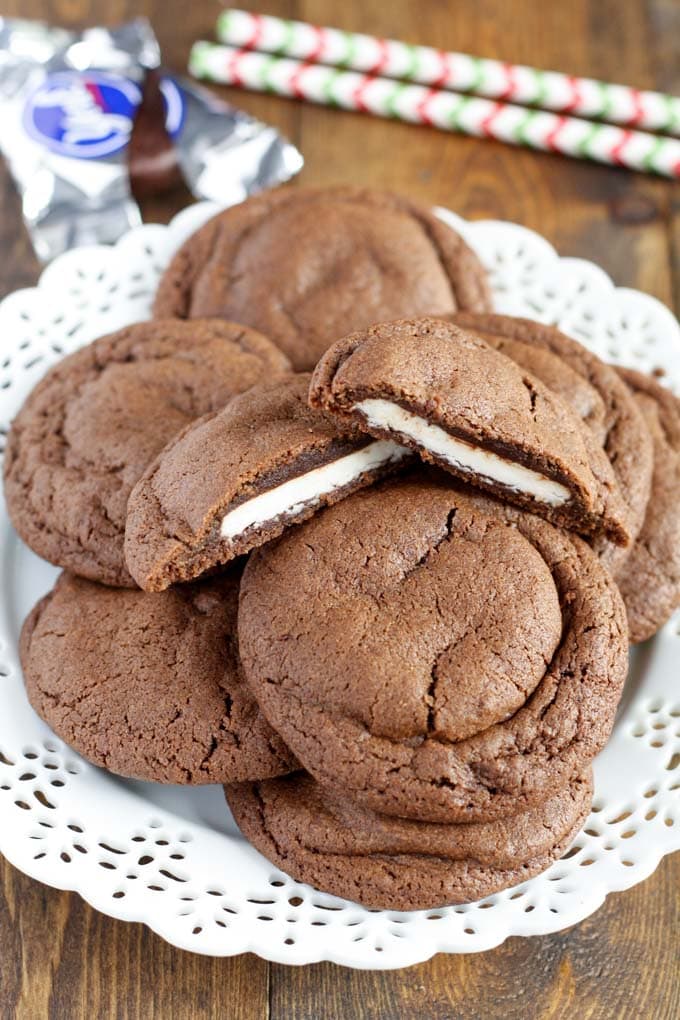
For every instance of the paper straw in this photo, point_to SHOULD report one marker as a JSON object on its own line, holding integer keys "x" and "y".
{"x": 424, "y": 65}
{"x": 350, "y": 90}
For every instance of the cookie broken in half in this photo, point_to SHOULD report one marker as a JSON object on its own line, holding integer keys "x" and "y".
{"x": 474, "y": 412}
{"x": 237, "y": 478}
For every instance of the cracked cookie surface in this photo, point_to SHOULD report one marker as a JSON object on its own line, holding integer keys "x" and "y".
{"x": 650, "y": 578}
{"x": 149, "y": 686}
{"x": 308, "y": 266}
{"x": 440, "y": 656}
{"x": 318, "y": 835}
{"x": 598, "y": 395}
{"x": 91, "y": 426}
{"x": 235, "y": 468}
{"x": 461, "y": 404}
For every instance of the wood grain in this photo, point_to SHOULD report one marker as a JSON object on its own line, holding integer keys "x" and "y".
{"x": 601, "y": 969}
{"x": 61, "y": 960}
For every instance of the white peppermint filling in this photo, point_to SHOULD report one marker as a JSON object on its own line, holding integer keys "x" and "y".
{"x": 299, "y": 493}
{"x": 463, "y": 456}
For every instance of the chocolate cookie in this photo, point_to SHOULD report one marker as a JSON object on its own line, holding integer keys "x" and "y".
{"x": 595, "y": 391}
{"x": 88, "y": 430}
{"x": 307, "y": 266}
{"x": 650, "y": 578}
{"x": 149, "y": 686}
{"x": 436, "y": 654}
{"x": 471, "y": 410}
{"x": 236, "y": 478}
{"x": 319, "y": 836}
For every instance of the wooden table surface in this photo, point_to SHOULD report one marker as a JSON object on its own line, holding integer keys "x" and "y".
{"x": 60, "y": 959}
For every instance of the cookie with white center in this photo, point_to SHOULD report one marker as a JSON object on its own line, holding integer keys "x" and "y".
{"x": 436, "y": 654}
{"x": 91, "y": 426}
{"x": 595, "y": 391}
{"x": 308, "y": 265}
{"x": 237, "y": 478}
{"x": 474, "y": 412}
{"x": 650, "y": 578}
{"x": 149, "y": 686}
{"x": 320, "y": 836}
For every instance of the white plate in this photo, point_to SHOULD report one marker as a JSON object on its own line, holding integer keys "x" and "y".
{"x": 172, "y": 857}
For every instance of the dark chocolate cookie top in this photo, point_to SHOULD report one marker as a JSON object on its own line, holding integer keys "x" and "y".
{"x": 91, "y": 426}
{"x": 320, "y": 836}
{"x": 595, "y": 391}
{"x": 218, "y": 466}
{"x": 149, "y": 686}
{"x": 472, "y": 410}
{"x": 438, "y": 655}
{"x": 308, "y": 266}
{"x": 650, "y": 577}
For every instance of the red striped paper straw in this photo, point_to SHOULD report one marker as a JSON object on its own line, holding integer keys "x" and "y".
{"x": 417, "y": 104}
{"x": 425, "y": 65}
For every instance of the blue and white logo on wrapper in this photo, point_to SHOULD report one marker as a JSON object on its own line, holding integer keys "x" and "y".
{"x": 83, "y": 114}
{"x": 89, "y": 114}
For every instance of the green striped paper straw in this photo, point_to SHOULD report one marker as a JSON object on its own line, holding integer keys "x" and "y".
{"x": 425, "y": 65}
{"x": 418, "y": 104}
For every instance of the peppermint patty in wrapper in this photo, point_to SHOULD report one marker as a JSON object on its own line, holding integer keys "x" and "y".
{"x": 68, "y": 102}
{"x": 84, "y": 114}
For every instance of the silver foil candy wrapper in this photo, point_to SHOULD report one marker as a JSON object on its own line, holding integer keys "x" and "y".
{"x": 225, "y": 154}
{"x": 67, "y": 102}
{"x": 68, "y": 106}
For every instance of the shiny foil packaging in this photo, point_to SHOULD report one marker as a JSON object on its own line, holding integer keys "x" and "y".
{"x": 89, "y": 119}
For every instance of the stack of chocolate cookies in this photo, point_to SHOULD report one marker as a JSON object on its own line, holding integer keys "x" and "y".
{"x": 339, "y": 538}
